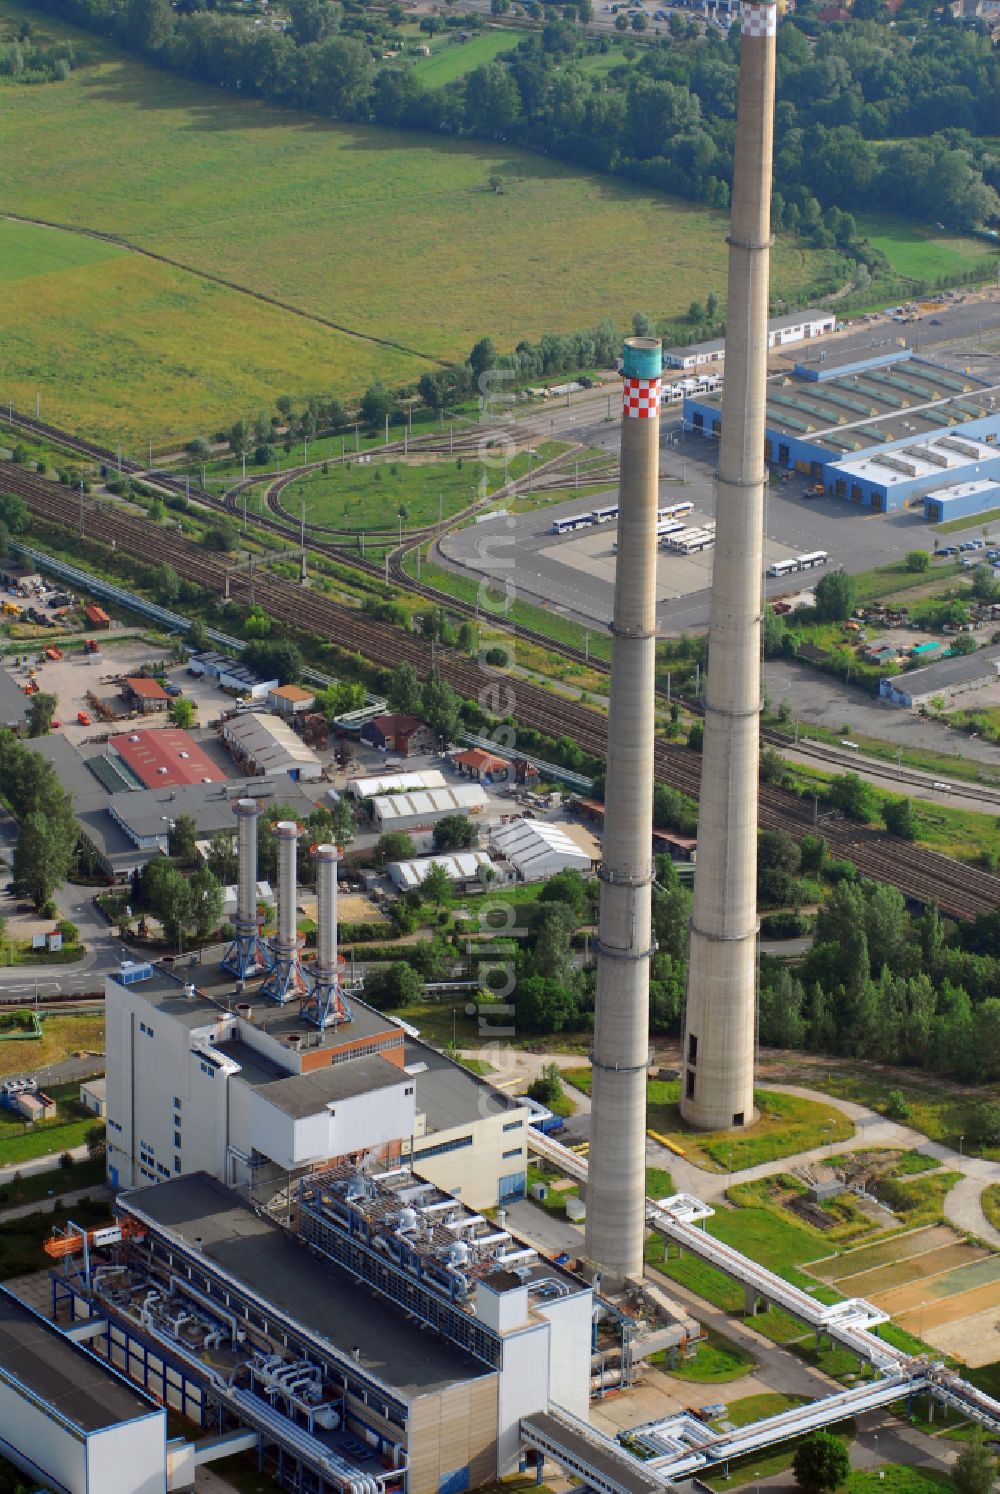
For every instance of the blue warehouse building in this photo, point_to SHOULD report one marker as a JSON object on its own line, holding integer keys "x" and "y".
{"x": 881, "y": 429}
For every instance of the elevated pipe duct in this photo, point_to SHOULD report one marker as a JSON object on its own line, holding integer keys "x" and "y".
{"x": 616, "y": 1187}
{"x": 326, "y": 1004}
{"x": 720, "y": 1029}
{"x": 287, "y": 981}
{"x": 246, "y": 955}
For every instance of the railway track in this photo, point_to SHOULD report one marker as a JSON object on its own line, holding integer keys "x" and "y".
{"x": 922, "y": 875}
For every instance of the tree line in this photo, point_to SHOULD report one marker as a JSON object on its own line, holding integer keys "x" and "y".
{"x": 889, "y": 987}
{"x": 868, "y": 116}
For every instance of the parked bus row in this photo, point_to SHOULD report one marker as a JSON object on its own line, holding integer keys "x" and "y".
{"x": 609, "y": 514}
{"x": 692, "y": 540}
{"x": 799, "y": 563}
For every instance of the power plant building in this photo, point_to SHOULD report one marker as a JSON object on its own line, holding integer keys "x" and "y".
{"x": 207, "y": 1078}
{"x": 880, "y": 429}
{"x": 374, "y": 1335}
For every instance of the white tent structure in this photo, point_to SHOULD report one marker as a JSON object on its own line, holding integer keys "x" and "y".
{"x": 461, "y": 866}
{"x": 537, "y": 849}
{"x": 395, "y": 783}
{"x": 410, "y": 811}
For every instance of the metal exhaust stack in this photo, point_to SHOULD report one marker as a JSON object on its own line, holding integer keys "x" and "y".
{"x": 326, "y": 1004}
{"x": 246, "y": 955}
{"x": 719, "y": 1034}
{"x": 287, "y": 980}
{"x": 616, "y": 1189}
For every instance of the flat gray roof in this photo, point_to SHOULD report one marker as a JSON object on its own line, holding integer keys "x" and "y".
{"x": 13, "y": 701}
{"x": 946, "y": 673}
{"x": 449, "y": 1095}
{"x": 65, "y": 1375}
{"x": 165, "y": 990}
{"x": 142, "y": 813}
{"x": 299, "y": 1095}
{"x": 324, "y": 1300}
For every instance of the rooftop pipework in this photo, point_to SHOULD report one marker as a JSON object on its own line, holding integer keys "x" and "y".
{"x": 246, "y": 955}
{"x": 429, "y": 1235}
{"x": 287, "y": 981}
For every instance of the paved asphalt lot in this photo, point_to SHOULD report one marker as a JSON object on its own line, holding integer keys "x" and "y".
{"x": 572, "y": 574}
{"x": 553, "y": 570}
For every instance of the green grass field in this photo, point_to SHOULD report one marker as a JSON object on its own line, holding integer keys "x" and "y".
{"x": 451, "y": 58}
{"x": 368, "y": 496}
{"x": 390, "y": 236}
{"x": 27, "y": 251}
{"x": 921, "y": 253}
{"x": 716, "y": 1361}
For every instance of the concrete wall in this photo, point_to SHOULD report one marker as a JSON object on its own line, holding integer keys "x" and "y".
{"x": 130, "y": 1458}
{"x": 42, "y": 1442}
{"x": 452, "y": 1438}
{"x": 350, "y": 1125}
{"x": 473, "y": 1173}
{"x": 569, "y": 1351}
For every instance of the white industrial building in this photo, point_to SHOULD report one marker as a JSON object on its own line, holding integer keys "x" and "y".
{"x": 411, "y": 811}
{"x": 206, "y": 1078}
{"x": 537, "y": 849}
{"x": 460, "y": 866}
{"x": 946, "y": 677}
{"x": 267, "y": 744}
{"x": 395, "y": 783}
{"x": 68, "y": 1420}
{"x": 782, "y": 331}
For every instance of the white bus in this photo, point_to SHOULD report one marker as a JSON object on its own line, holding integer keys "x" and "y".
{"x": 675, "y": 511}
{"x": 783, "y": 567}
{"x": 815, "y": 557}
{"x": 666, "y": 527}
{"x": 578, "y": 521}
{"x": 604, "y": 515}
{"x": 690, "y": 544}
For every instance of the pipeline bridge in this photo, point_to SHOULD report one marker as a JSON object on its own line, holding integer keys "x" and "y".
{"x": 679, "y": 1446}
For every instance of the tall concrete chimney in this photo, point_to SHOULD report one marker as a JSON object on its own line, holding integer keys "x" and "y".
{"x": 287, "y": 980}
{"x": 326, "y": 1004}
{"x": 616, "y": 1189}
{"x": 719, "y": 1031}
{"x": 246, "y": 955}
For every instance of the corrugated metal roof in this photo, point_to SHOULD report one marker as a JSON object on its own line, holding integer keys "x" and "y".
{"x": 464, "y": 796}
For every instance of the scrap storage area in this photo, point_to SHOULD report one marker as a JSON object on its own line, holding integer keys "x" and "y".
{"x": 933, "y": 1283}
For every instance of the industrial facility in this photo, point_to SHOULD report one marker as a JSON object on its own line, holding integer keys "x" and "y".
{"x": 881, "y": 428}
{"x": 782, "y": 331}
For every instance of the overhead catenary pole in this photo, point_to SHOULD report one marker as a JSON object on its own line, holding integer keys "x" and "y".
{"x": 719, "y": 1030}
{"x": 616, "y": 1189}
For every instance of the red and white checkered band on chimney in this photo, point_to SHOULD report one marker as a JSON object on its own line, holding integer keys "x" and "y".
{"x": 760, "y": 20}
{"x": 641, "y": 398}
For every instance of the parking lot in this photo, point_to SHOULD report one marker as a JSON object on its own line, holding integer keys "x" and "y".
{"x": 574, "y": 573}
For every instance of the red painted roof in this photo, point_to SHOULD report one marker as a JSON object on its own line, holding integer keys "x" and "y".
{"x": 95, "y": 614}
{"x": 172, "y": 750}
{"x": 146, "y": 689}
{"x": 484, "y": 762}
{"x": 392, "y": 726}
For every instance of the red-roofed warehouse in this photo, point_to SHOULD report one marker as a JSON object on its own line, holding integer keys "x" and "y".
{"x": 166, "y": 757}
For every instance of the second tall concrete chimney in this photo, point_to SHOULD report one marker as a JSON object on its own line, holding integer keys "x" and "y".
{"x": 616, "y": 1187}
{"x": 287, "y": 981}
{"x": 720, "y": 1017}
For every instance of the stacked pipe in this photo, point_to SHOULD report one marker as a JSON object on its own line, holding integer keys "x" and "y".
{"x": 246, "y": 956}
{"x": 719, "y": 1033}
{"x": 616, "y": 1188}
{"x": 287, "y": 980}
{"x": 326, "y": 1005}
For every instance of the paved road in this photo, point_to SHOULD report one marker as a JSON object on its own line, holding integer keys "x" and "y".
{"x": 36, "y": 1165}
{"x": 63, "y": 1200}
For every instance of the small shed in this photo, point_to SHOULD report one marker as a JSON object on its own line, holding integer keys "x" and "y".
{"x": 147, "y": 696}
{"x": 291, "y": 700}
{"x": 97, "y": 618}
{"x": 482, "y": 767}
{"x": 94, "y": 1096}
